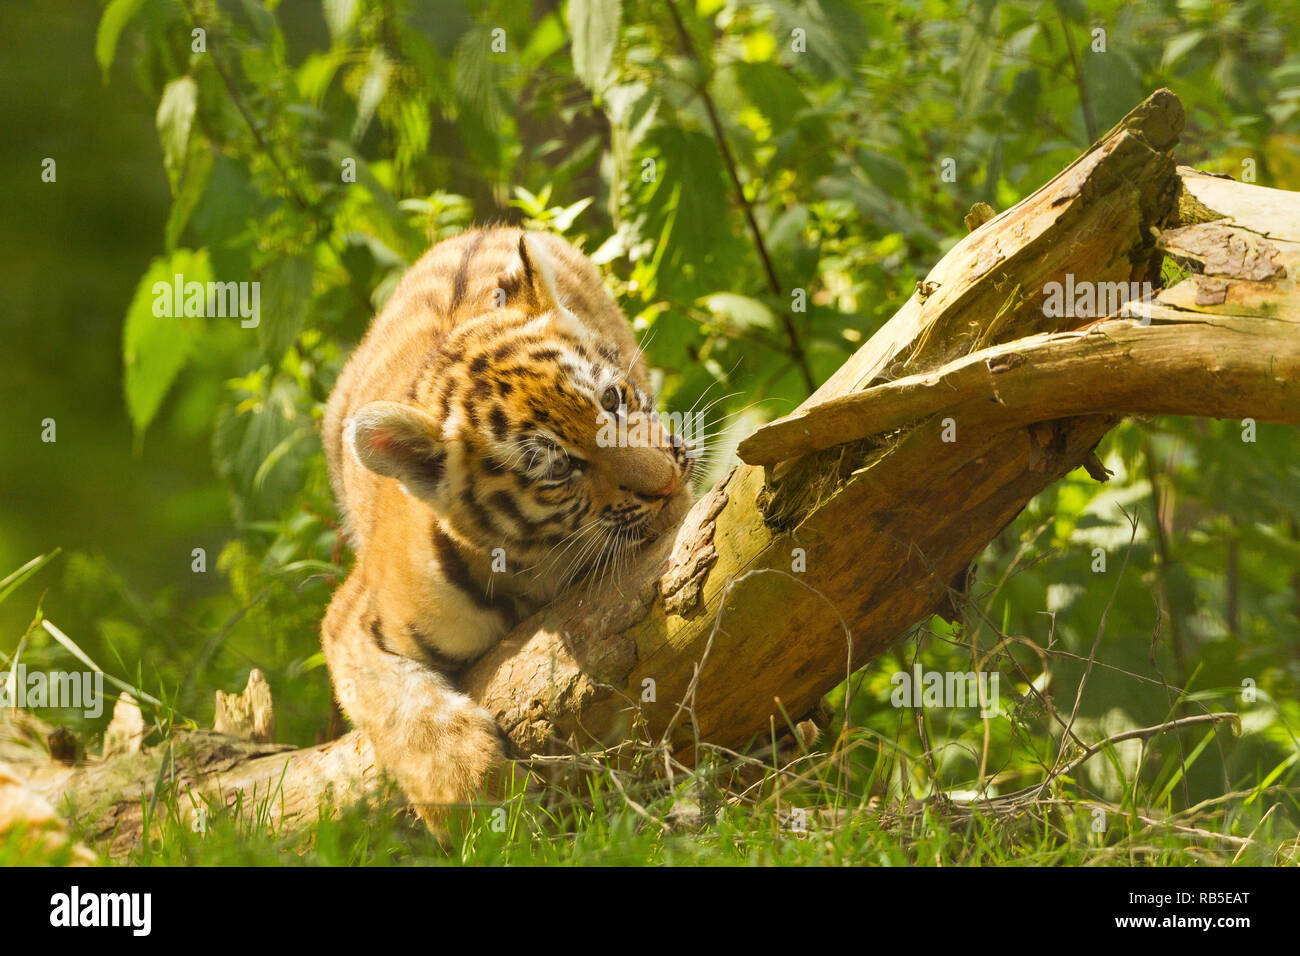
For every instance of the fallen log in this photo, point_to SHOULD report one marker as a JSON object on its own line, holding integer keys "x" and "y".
{"x": 850, "y": 518}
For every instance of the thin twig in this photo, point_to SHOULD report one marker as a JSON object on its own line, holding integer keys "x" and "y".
{"x": 728, "y": 160}
{"x": 306, "y": 205}
{"x": 1096, "y": 643}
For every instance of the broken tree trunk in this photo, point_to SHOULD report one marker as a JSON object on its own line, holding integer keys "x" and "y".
{"x": 891, "y": 479}
{"x": 887, "y": 513}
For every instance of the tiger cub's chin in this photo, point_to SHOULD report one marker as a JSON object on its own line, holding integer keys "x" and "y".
{"x": 492, "y": 441}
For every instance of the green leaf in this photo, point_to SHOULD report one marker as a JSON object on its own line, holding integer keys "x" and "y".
{"x": 263, "y": 425}
{"x": 221, "y": 219}
{"x": 1022, "y": 101}
{"x": 740, "y": 311}
{"x": 771, "y": 90}
{"x": 877, "y": 205}
{"x": 286, "y": 296}
{"x": 412, "y": 241}
{"x": 340, "y": 15}
{"x": 263, "y": 20}
{"x": 175, "y": 119}
{"x": 1181, "y": 45}
{"x": 116, "y": 16}
{"x": 1076, "y": 11}
{"x": 593, "y": 25}
{"x": 692, "y": 201}
{"x": 317, "y": 73}
{"x": 563, "y": 220}
{"x": 193, "y": 185}
{"x": 373, "y": 88}
{"x": 155, "y": 343}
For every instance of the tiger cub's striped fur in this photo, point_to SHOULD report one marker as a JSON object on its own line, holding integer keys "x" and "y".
{"x": 467, "y": 421}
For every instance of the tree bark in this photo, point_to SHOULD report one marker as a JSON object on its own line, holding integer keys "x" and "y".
{"x": 851, "y": 517}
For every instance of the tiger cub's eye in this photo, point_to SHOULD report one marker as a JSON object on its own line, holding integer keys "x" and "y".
{"x": 610, "y": 399}
{"x": 560, "y": 467}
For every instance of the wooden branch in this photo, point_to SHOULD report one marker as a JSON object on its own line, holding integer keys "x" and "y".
{"x": 194, "y": 772}
{"x": 1173, "y": 356}
{"x": 884, "y": 526}
{"x": 859, "y": 513}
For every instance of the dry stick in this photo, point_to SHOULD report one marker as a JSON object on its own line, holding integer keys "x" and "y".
{"x": 1241, "y": 842}
{"x": 1169, "y": 698}
{"x": 699, "y": 666}
{"x": 1141, "y": 733}
{"x": 1158, "y": 506}
{"x": 1045, "y": 701}
{"x": 717, "y": 624}
{"x": 1251, "y": 839}
{"x": 1047, "y": 704}
{"x": 1050, "y": 708}
{"x": 636, "y": 807}
{"x": 1096, "y": 643}
{"x": 796, "y": 346}
{"x": 988, "y": 721}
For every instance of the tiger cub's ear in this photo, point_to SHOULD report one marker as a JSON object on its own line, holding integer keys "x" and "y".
{"x": 538, "y": 277}
{"x": 401, "y": 442}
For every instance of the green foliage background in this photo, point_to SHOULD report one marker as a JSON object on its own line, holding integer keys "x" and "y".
{"x": 228, "y": 163}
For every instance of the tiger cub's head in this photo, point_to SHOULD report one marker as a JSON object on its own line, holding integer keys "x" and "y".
{"x": 533, "y": 433}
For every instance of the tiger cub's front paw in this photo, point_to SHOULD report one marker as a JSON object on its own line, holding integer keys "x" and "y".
{"x": 453, "y": 757}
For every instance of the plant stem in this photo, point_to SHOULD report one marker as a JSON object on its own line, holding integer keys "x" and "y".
{"x": 1089, "y": 122}
{"x": 307, "y": 206}
{"x": 792, "y": 334}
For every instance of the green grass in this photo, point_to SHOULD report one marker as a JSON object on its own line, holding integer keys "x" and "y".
{"x": 1212, "y": 779}
{"x": 598, "y": 819}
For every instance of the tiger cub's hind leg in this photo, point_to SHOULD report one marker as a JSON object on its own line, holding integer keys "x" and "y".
{"x": 438, "y": 745}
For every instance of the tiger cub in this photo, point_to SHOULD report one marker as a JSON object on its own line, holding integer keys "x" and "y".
{"x": 464, "y": 453}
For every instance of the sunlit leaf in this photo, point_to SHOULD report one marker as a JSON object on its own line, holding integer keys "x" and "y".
{"x": 156, "y": 342}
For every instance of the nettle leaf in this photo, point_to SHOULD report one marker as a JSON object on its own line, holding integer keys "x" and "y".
{"x": 1115, "y": 83}
{"x": 632, "y": 109}
{"x": 1179, "y": 46}
{"x": 225, "y": 218}
{"x": 740, "y": 311}
{"x": 286, "y": 297}
{"x": 547, "y": 39}
{"x": 786, "y": 230}
{"x": 593, "y": 24}
{"x": 317, "y": 73}
{"x": 340, "y": 15}
{"x": 262, "y": 19}
{"x": 876, "y": 204}
{"x": 411, "y": 241}
{"x": 885, "y": 171}
{"x": 260, "y": 445}
{"x": 156, "y": 342}
{"x": 192, "y": 187}
{"x": 1022, "y": 101}
{"x": 694, "y": 202}
{"x": 1076, "y": 11}
{"x": 116, "y": 16}
{"x": 771, "y": 89}
{"x": 834, "y": 35}
{"x": 563, "y": 217}
{"x": 175, "y": 120}
{"x": 373, "y": 88}
{"x": 978, "y": 53}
